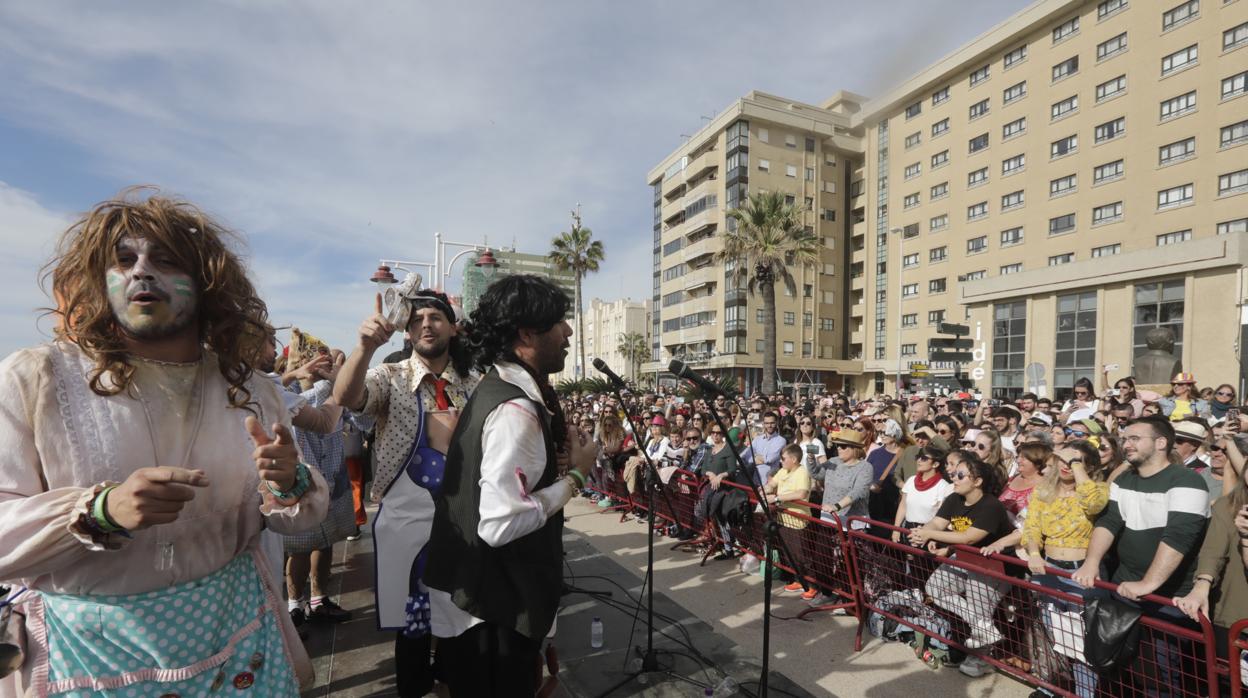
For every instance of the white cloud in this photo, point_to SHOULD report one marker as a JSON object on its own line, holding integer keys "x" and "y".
{"x": 29, "y": 232}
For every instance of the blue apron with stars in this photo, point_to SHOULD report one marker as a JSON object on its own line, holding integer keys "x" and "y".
{"x": 400, "y": 534}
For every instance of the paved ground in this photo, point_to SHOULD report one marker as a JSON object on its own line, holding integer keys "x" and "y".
{"x": 715, "y": 608}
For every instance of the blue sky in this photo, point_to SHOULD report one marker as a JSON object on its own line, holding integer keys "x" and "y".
{"x": 331, "y": 134}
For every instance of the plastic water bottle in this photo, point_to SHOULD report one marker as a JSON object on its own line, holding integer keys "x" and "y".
{"x": 727, "y": 687}
{"x": 595, "y": 633}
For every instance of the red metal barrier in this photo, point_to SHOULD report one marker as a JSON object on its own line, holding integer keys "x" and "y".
{"x": 617, "y": 491}
{"x": 1237, "y": 644}
{"x": 1033, "y": 632}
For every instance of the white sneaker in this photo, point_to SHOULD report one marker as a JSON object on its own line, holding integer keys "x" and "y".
{"x": 983, "y": 633}
{"x": 974, "y": 667}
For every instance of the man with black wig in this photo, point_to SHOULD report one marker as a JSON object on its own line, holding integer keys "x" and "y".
{"x": 496, "y": 550}
{"x": 416, "y": 402}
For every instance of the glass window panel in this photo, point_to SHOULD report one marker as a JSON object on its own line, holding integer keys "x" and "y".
{"x": 1065, "y": 358}
{"x": 1146, "y": 315}
{"x": 1065, "y": 340}
{"x": 1087, "y": 357}
{"x": 1065, "y": 322}
{"x": 1146, "y": 293}
{"x": 1087, "y": 320}
{"x": 1172, "y": 312}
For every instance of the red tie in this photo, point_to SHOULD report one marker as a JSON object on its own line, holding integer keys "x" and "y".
{"x": 439, "y": 389}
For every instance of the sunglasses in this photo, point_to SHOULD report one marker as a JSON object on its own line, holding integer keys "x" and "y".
{"x": 1123, "y": 387}
{"x": 1081, "y": 393}
{"x": 923, "y": 456}
{"x": 961, "y": 475}
{"x": 1223, "y": 393}
{"x": 943, "y": 432}
{"x": 981, "y": 447}
{"x": 1072, "y": 461}
{"x": 846, "y": 446}
{"x": 716, "y": 432}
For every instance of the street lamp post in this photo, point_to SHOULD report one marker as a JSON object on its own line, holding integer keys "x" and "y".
{"x": 901, "y": 261}
{"x": 487, "y": 262}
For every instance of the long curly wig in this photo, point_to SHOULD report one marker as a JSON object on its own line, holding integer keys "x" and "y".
{"x": 508, "y": 305}
{"x": 233, "y": 321}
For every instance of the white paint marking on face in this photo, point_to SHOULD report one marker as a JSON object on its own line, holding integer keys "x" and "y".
{"x": 151, "y": 296}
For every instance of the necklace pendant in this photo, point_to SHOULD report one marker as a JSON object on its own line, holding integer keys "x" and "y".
{"x": 164, "y": 557}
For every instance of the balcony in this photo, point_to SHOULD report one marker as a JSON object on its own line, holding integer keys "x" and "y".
{"x": 858, "y": 256}
{"x": 671, "y": 209}
{"x": 710, "y": 274}
{"x": 706, "y": 161}
{"x": 707, "y": 217}
{"x": 858, "y": 282}
{"x": 705, "y": 246}
{"x": 706, "y": 186}
{"x": 857, "y": 337}
{"x": 674, "y": 186}
{"x": 699, "y": 304}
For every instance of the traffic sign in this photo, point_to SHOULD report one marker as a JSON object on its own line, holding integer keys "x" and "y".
{"x": 954, "y": 356}
{"x": 950, "y": 343}
{"x": 951, "y": 328}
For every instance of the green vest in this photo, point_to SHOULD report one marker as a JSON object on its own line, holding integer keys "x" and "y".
{"x": 516, "y": 585}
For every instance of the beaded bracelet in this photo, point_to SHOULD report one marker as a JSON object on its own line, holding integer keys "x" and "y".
{"x": 303, "y": 481}
{"x": 578, "y": 477}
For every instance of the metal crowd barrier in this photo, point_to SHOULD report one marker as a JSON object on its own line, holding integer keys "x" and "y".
{"x": 1237, "y": 645}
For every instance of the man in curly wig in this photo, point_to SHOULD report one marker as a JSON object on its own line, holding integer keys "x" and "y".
{"x": 140, "y": 459}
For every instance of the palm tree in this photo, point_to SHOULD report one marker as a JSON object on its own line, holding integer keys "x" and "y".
{"x": 576, "y": 251}
{"x": 633, "y": 346}
{"x": 767, "y": 241}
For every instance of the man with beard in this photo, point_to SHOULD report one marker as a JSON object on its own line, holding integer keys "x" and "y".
{"x": 415, "y": 401}
{"x": 137, "y": 469}
{"x": 495, "y": 554}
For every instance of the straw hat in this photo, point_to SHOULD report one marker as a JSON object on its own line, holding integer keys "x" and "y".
{"x": 849, "y": 437}
{"x": 1184, "y": 378}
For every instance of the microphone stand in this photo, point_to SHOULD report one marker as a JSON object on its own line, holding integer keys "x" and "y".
{"x": 649, "y": 658}
{"x": 771, "y": 539}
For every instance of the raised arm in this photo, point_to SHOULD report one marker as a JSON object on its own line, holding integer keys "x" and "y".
{"x": 374, "y": 333}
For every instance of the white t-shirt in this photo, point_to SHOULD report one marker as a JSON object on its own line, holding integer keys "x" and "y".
{"x": 921, "y": 507}
{"x": 819, "y": 449}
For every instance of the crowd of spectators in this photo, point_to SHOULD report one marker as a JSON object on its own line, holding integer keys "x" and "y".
{"x": 1143, "y": 490}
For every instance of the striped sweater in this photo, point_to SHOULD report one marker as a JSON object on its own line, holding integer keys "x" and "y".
{"x": 1170, "y": 507}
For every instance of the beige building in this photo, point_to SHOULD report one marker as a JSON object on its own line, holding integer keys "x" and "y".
{"x": 606, "y": 323}
{"x": 1063, "y": 183}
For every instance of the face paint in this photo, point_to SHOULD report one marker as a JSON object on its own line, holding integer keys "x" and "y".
{"x": 150, "y": 295}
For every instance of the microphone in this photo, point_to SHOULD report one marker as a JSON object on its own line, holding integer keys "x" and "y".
{"x": 681, "y": 370}
{"x": 604, "y": 369}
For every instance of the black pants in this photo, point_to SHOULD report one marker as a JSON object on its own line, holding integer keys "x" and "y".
{"x": 489, "y": 661}
{"x": 413, "y": 672}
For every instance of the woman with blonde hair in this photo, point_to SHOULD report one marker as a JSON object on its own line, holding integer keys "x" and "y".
{"x": 987, "y": 445}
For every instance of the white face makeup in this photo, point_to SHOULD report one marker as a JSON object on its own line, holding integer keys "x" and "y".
{"x": 150, "y": 295}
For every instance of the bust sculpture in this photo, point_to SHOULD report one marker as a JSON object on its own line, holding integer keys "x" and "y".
{"x": 1159, "y": 363}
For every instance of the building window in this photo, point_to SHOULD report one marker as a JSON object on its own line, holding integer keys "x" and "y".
{"x": 938, "y": 254}
{"x": 977, "y": 177}
{"x": 1065, "y": 146}
{"x": 1111, "y": 47}
{"x": 1011, "y": 268}
{"x": 940, "y": 127}
{"x": 1107, "y": 172}
{"x": 1108, "y": 8}
{"x": 1178, "y": 106}
{"x": 673, "y": 298}
{"x": 808, "y": 319}
{"x": 914, "y": 139}
{"x": 1013, "y": 92}
{"x": 764, "y": 135}
{"x": 1065, "y": 107}
{"x": 913, "y": 170}
{"x": 1111, "y": 88}
{"x": 1012, "y": 200}
{"x": 910, "y": 320}
{"x": 1065, "y": 29}
{"x": 1174, "y": 238}
{"x": 909, "y": 290}
{"x": 1015, "y": 164}
{"x": 979, "y": 76}
{"x": 1014, "y": 128}
{"x": 1179, "y": 14}
{"x": 1009, "y": 348}
{"x": 1175, "y": 196}
{"x": 1233, "y": 183}
{"x": 790, "y": 141}
{"x": 1239, "y": 225}
{"x": 1106, "y": 250}
{"x": 909, "y": 350}
{"x": 1234, "y": 85}
{"x": 1011, "y": 236}
{"x": 764, "y": 165}
{"x": 940, "y": 159}
{"x": 827, "y": 324}
{"x": 810, "y": 145}
{"x": 910, "y": 200}
{"x": 910, "y": 230}
{"x": 1059, "y": 259}
{"x": 978, "y": 143}
{"x": 788, "y": 348}
{"x": 1233, "y": 135}
{"x": 1179, "y": 59}
{"x": 977, "y": 245}
{"x": 939, "y": 191}
{"x": 910, "y": 260}
{"x": 1110, "y": 130}
{"x": 1174, "y": 152}
{"x": 806, "y": 350}
{"x": 1066, "y": 68}
{"x": 936, "y": 223}
{"x": 1107, "y": 213}
{"x": 1016, "y": 56}
{"x": 1062, "y": 185}
{"x": 790, "y": 170}
{"x": 790, "y": 318}
{"x": 759, "y": 315}
{"x": 976, "y": 211}
{"x": 1061, "y": 224}
{"x": 1158, "y": 304}
{"x": 1235, "y": 37}
{"x": 978, "y": 109}
{"x": 974, "y": 276}
{"x": 936, "y": 286}
{"x": 935, "y": 317}
{"x": 1075, "y": 342}
{"x": 940, "y": 95}
{"x": 914, "y": 110}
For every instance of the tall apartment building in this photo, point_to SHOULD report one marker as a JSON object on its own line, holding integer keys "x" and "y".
{"x": 606, "y": 323}
{"x": 1068, "y": 180}
{"x": 511, "y": 262}
{"x": 761, "y": 142}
